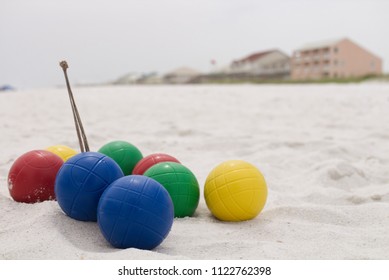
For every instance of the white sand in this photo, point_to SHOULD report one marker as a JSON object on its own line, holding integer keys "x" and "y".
{"x": 324, "y": 151}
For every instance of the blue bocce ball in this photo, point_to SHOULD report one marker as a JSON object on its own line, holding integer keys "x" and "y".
{"x": 135, "y": 212}
{"x": 81, "y": 181}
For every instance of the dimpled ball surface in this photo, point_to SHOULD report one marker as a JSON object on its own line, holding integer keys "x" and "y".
{"x": 146, "y": 162}
{"x": 62, "y": 151}
{"x": 32, "y": 176}
{"x": 180, "y": 183}
{"x": 135, "y": 212}
{"x": 235, "y": 190}
{"x": 81, "y": 181}
{"x": 125, "y": 154}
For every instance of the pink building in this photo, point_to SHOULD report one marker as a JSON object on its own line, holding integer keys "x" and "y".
{"x": 340, "y": 58}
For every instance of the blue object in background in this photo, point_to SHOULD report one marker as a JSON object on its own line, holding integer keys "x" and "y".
{"x": 135, "y": 212}
{"x": 81, "y": 181}
{"x": 6, "y": 88}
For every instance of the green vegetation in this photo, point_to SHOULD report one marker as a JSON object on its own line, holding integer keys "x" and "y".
{"x": 253, "y": 80}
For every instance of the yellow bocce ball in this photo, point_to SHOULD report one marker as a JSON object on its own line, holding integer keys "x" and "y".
{"x": 62, "y": 151}
{"x": 235, "y": 190}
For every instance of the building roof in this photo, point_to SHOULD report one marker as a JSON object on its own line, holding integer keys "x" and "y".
{"x": 254, "y": 56}
{"x": 331, "y": 43}
{"x": 320, "y": 44}
{"x": 183, "y": 71}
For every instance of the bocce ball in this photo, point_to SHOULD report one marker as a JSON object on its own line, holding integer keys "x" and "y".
{"x": 32, "y": 176}
{"x": 235, "y": 190}
{"x": 135, "y": 211}
{"x": 62, "y": 151}
{"x": 146, "y": 162}
{"x": 180, "y": 183}
{"x": 81, "y": 181}
{"x": 124, "y": 153}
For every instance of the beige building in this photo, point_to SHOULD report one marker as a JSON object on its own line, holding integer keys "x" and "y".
{"x": 267, "y": 64}
{"x": 340, "y": 58}
{"x": 182, "y": 75}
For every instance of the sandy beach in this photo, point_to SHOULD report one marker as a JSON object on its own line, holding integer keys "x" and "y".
{"x": 323, "y": 150}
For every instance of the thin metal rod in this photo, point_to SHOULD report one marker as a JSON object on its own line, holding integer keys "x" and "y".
{"x": 77, "y": 120}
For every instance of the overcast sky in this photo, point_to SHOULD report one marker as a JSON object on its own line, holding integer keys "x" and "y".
{"x": 102, "y": 40}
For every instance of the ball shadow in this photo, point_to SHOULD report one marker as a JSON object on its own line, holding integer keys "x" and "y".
{"x": 83, "y": 235}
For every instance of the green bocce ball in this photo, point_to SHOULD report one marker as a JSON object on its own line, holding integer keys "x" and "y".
{"x": 180, "y": 183}
{"x": 125, "y": 154}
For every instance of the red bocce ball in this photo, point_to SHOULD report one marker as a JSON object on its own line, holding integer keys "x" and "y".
{"x": 32, "y": 176}
{"x": 151, "y": 160}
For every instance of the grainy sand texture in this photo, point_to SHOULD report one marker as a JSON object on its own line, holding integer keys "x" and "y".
{"x": 323, "y": 150}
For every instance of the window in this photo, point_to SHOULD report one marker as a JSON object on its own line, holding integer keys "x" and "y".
{"x": 336, "y": 50}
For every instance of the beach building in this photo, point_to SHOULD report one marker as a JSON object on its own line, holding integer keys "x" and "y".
{"x": 181, "y": 75}
{"x": 139, "y": 78}
{"x": 128, "y": 79}
{"x": 265, "y": 64}
{"x": 340, "y": 58}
